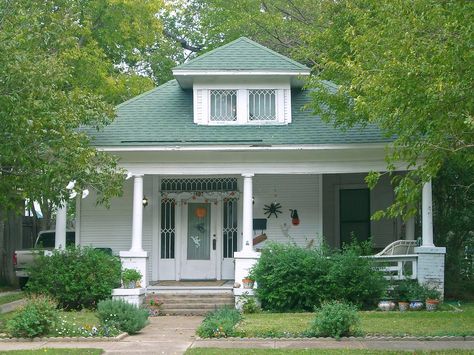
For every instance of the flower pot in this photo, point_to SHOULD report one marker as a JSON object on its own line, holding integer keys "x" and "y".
{"x": 386, "y": 305}
{"x": 416, "y": 305}
{"x": 432, "y": 305}
{"x": 247, "y": 283}
{"x": 403, "y": 306}
{"x": 129, "y": 284}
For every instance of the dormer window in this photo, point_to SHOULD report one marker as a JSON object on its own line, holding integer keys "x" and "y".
{"x": 223, "y": 105}
{"x": 242, "y": 106}
{"x": 262, "y": 105}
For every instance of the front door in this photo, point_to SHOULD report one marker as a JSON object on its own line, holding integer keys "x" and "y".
{"x": 199, "y": 249}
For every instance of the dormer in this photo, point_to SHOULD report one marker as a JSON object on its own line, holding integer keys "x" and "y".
{"x": 242, "y": 83}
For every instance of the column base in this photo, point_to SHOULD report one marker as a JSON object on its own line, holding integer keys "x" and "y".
{"x": 431, "y": 266}
{"x": 136, "y": 260}
{"x": 134, "y": 296}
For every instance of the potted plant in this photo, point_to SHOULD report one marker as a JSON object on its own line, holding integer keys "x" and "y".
{"x": 416, "y": 295}
{"x": 130, "y": 278}
{"x": 403, "y": 295}
{"x": 432, "y": 298}
{"x": 248, "y": 282}
{"x": 386, "y": 303}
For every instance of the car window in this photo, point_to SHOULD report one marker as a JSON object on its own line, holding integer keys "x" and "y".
{"x": 46, "y": 240}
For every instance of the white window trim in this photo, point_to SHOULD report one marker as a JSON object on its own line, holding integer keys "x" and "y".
{"x": 202, "y": 107}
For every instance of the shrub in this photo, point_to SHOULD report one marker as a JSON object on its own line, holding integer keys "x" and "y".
{"x": 291, "y": 278}
{"x": 335, "y": 319}
{"x": 219, "y": 324}
{"x": 36, "y": 318}
{"x": 77, "y": 277}
{"x": 354, "y": 279}
{"x": 249, "y": 304}
{"x": 122, "y": 315}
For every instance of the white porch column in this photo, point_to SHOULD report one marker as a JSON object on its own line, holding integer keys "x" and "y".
{"x": 60, "y": 234}
{"x": 430, "y": 258}
{"x": 427, "y": 216}
{"x": 247, "y": 257}
{"x": 247, "y": 214}
{"x": 136, "y": 257}
{"x": 137, "y": 222}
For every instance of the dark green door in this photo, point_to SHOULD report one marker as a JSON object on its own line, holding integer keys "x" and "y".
{"x": 354, "y": 214}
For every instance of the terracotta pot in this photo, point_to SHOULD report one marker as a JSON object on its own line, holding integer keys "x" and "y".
{"x": 403, "y": 306}
{"x": 248, "y": 283}
{"x": 431, "y": 305}
{"x": 386, "y": 305}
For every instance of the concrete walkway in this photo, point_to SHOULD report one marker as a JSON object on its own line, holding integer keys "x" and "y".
{"x": 164, "y": 335}
{"x": 175, "y": 334}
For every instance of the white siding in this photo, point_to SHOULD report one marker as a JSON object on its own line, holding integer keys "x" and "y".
{"x": 300, "y": 192}
{"x": 112, "y": 228}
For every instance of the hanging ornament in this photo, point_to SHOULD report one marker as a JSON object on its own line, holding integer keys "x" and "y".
{"x": 274, "y": 208}
{"x": 200, "y": 212}
{"x": 295, "y": 220}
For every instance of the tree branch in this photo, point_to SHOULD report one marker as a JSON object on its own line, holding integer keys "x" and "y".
{"x": 181, "y": 41}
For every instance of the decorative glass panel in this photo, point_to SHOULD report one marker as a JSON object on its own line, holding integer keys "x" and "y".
{"x": 167, "y": 228}
{"x": 262, "y": 105}
{"x": 229, "y": 231}
{"x": 223, "y": 105}
{"x": 199, "y": 233}
{"x": 199, "y": 185}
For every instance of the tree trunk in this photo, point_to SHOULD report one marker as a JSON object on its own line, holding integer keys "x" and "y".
{"x": 10, "y": 240}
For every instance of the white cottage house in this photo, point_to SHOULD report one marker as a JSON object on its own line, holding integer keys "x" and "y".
{"x": 216, "y": 150}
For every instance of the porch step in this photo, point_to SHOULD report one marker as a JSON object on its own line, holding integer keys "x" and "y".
{"x": 190, "y": 303}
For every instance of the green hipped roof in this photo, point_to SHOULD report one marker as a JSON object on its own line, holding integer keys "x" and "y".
{"x": 164, "y": 117}
{"x": 242, "y": 54}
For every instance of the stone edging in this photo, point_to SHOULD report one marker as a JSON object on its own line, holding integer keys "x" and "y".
{"x": 366, "y": 338}
{"x": 64, "y": 339}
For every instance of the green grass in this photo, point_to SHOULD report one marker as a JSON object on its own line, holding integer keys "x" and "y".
{"x": 394, "y": 323}
{"x": 11, "y": 297}
{"x": 213, "y": 351}
{"x": 55, "y": 352}
{"x": 83, "y": 318}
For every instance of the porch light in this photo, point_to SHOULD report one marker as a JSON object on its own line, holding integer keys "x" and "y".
{"x": 145, "y": 201}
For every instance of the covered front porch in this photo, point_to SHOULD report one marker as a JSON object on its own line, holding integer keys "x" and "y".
{"x": 200, "y": 216}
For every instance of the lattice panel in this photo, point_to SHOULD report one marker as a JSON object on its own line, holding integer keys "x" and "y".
{"x": 199, "y": 185}
{"x": 223, "y": 105}
{"x": 168, "y": 228}
{"x": 229, "y": 230}
{"x": 262, "y": 106}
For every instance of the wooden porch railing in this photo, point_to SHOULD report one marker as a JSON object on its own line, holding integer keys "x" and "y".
{"x": 397, "y": 267}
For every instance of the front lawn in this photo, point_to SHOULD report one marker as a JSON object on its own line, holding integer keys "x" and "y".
{"x": 11, "y": 297}
{"x": 393, "y": 323}
{"x": 70, "y": 320}
{"x": 214, "y": 351}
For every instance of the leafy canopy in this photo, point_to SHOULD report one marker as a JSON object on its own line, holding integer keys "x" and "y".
{"x": 64, "y": 64}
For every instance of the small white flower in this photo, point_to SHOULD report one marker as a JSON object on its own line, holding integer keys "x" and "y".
{"x": 73, "y": 194}
{"x": 71, "y": 185}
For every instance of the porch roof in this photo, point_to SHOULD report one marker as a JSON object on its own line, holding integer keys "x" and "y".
{"x": 163, "y": 116}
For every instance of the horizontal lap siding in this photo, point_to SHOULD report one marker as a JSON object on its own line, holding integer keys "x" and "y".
{"x": 300, "y": 192}
{"x": 112, "y": 228}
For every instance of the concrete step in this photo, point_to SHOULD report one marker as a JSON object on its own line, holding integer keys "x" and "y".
{"x": 186, "y": 312}
{"x": 196, "y": 306}
{"x": 197, "y": 300}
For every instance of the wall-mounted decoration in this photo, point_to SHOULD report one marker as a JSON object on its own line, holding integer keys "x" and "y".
{"x": 295, "y": 220}
{"x": 200, "y": 212}
{"x": 273, "y": 209}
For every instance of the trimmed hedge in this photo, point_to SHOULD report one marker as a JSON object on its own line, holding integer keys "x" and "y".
{"x": 292, "y": 278}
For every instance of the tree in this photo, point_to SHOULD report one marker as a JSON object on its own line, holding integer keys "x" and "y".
{"x": 403, "y": 66}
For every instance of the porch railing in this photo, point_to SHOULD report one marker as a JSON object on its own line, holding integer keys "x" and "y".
{"x": 397, "y": 267}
